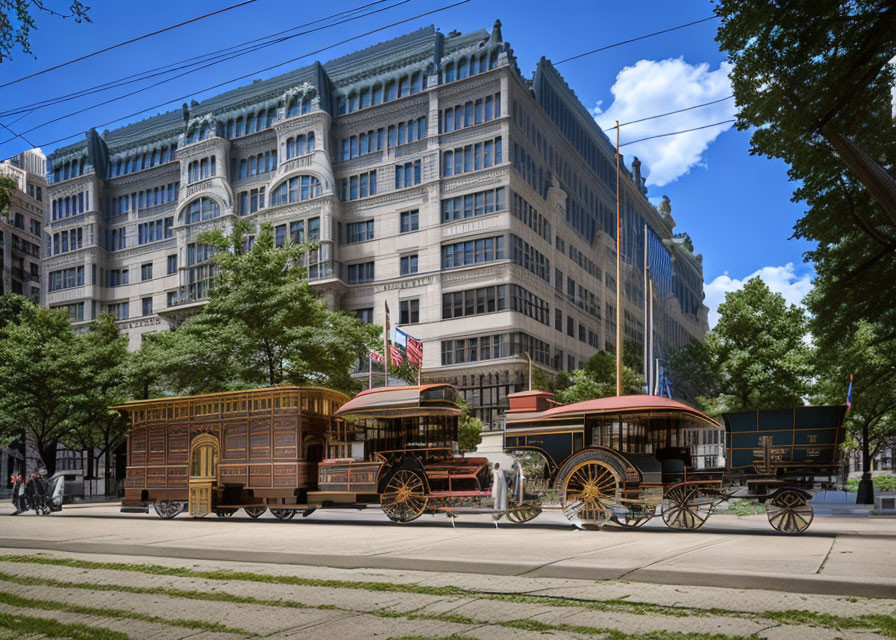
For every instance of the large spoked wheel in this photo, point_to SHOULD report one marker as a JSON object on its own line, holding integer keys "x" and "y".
{"x": 523, "y": 514}
{"x": 634, "y": 519}
{"x": 225, "y": 513}
{"x": 404, "y": 499}
{"x": 283, "y": 514}
{"x": 686, "y": 508}
{"x": 589, "y": 493}
{"x": 166, "y": 509}
{"x": 790, "y": 512}
{"x": 255, "y": 512}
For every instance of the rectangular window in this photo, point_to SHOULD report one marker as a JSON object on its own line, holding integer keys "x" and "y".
{"x": 359, "y": 231}
{"x": 362, "y": 272}
{"x": 408, "y": 264}
{"x": 410, "y": 221}
{"x": 147, "y": 306}
{"x": 146, "y": 271}
{"x": 472, "y": 252}
{"x": 172, "y": 264}
{"x": 409, "y": 311}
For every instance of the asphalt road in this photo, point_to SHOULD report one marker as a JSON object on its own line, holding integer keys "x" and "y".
{"x": 839, "y": 556}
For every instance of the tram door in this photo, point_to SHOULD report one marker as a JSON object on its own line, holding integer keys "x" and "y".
{"x": 203, "y": 474}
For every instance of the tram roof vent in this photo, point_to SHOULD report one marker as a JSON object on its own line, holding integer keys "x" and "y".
{"x": 531, "y": 401}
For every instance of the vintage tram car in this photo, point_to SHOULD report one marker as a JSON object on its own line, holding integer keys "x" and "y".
{"x": 626, "y": 459}
{"x": 618, "y": 459}
{"x": 295, "y": 449}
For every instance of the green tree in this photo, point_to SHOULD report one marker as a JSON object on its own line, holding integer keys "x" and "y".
{"x": 39, "y": 377}
{"x": 8, "y": 186}
{"x": 597, "y": 379}
{"x": 812, "y": 82}
{"x": 263, "y": 325}
{"x": 469, "y": 428}
{"x": 103, "y": 363}
{"x": 756, "y": 357}
{"x": 17, "y": 18}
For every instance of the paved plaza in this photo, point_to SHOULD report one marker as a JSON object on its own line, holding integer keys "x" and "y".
{"x": 344, "y": 574}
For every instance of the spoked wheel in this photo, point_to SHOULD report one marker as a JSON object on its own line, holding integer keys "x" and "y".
{"x": 283, "y": 514}
{"x": 225, "y": 513}
{"x": 255, "y": 512}
{"x": 404, "y": 499}
{"x": 687, "y": 508}
{"x": 789, "y": 512}
{"x": 523, "y": 514}
{"x": 589, "y": 493}
{"x": 634, "y": 519}
{"x": 166, "y": 509}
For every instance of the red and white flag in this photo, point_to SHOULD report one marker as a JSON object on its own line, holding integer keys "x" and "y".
{"x": 376, "y": 357}
{"x": 415, "y": 350}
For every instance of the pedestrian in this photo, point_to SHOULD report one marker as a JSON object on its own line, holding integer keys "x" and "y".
{"x": 34, "y": 493}
{"x": 16, "y": 481}
{"x": 499, "y": 487}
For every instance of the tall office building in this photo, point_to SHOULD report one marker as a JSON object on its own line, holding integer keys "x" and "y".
{"x": 20, "y": 227}
{"x": 480, "y": 204}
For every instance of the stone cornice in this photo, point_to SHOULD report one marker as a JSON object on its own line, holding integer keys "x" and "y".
{"x": 138, "y": 177}
{"x": 70, "y": 186}
{"x": 463, "y": 88}
{"x": 494, "y": 177}
{"x": 301, "y": 123}
{"x": 385, "y": 112}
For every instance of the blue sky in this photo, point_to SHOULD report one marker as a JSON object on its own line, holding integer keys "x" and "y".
{"x": 735, "y": 206}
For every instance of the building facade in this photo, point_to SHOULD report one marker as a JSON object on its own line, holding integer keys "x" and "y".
{"x": 431, "y": 175}
{"x": 20, "y": 227}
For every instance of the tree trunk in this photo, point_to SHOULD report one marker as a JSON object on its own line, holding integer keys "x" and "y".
{"x": 880, "y": 184}
{"x": 866, "y": 486}
{"x": 47, "y": 452}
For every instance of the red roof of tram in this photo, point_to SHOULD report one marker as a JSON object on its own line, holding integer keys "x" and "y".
{"x": 393, "y": 402}
{"x": 614, "y": 404}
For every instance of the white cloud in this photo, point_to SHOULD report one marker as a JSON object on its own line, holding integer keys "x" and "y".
{"x": 783, "y": 280}
{"x": 651, "y": 87}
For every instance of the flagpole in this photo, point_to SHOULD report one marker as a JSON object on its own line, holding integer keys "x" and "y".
{"x": 646, "y": 349}
{"x": 650, "y": 324}
{"x": 386, "y": 343}
{"x": 619, "y": 302}
{"x": 369, "y": 371}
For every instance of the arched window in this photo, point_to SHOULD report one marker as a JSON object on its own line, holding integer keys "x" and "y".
{"x": 260, "y": 121}
{"x": 390, "y": 90}
{"x": 250, "y": 123}
{"x": 300, "y": 145}
{"x": 272, "y": 113}
{"x": 202, "y": 209}
{"x": 203, "y": 131}
{"x": 310, "y": 146}
{"x": 449, "y": 72}
{"x": 483, "y": 62}
{"x": 365, "y": 97}
{"x": 474, "y": 65}
{"x": 191, "y": 136}
{"x": 417, "y": 82}
{"x": 404, "y": 86}
{"x": 306, "y": 105}
{"x": 493, "y": 59}
{"x": 239, "y": 127}
{"x": 295, "y": 190}
{"x": 293, "y": 109}
{"x": 353, "y": 102}
{"x": 155, "y": 158}
{"x": 462, "y": 69}
{"x": 290, "y": 148}
{"x": 377, "y": 96}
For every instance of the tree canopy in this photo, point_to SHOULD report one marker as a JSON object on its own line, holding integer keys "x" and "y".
{"x": 263, "y": 325}
{"x": 596, "y": 378}
{"x": 812, "y": 81}
{"x": 18, "y": 18}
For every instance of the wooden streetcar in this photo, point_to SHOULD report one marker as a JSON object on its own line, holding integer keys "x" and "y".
{"x": 621, "y": 459}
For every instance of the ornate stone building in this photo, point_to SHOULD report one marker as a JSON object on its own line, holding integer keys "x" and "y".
{"x": 20, "y": 227}
{"x": 480, "y": 204}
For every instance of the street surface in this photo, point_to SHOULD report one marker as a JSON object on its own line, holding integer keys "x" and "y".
{"x": 355, "y": 574}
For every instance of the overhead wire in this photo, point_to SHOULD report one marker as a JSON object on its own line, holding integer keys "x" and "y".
{"x": 253, "y": 73}
{"x": 199, "y": 68}
{"x": 669, "y": 113}
{"x": 170, "y": 67}
{"x": 126, "y": 42}
{"x": 675, "y": 133}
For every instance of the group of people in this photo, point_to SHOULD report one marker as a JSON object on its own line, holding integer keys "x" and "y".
{"x": 34, "y": 493}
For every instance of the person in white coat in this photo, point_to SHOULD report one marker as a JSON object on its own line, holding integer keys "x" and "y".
{"x": 499, "y": 487}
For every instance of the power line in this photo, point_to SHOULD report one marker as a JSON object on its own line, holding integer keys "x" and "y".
{"x": 274, "y": 66}
{"x": 126, "y": 42}
{"x": 205, "y": 66}
{"x": 630, "y": 40}
{"x": 675, "y": 133}
{"x": 669, "y": 113}
{"x": 170, "y": 67}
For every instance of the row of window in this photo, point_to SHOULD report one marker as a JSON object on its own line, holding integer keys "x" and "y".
{"x": 251, "y": 200}
{"x": 359, "y": 186}
{"x": 472, "y": 252}
{"x": 75, "y": 311}
{"x": 379, "y": 93}
{"x": 376, "y": 140}
{"x": 297, "y": 232}
{"x": 524, "y": 211}
{"x": 70, "y": 240}
{"x": 66, "y": 278}
{"x": 70, "y": 205}
{"x": 525, "y": 255}
{"x": 295, "y": 190}
{"x": 584, "y": 262}
{"x": 118, "y": 277}
{"x": 408, "y": 174}
{"x": 263, "y": 119}
{"x": 114, "y": 239}
{"x": 473, "y": 302}
{"x": 358, "y": 231}
{"x": 465, "y": 67}
{"x": 577, "y": 294}
{"x": 154, "y": 230}
{"x": 474, "y": 204}
{"x": 146, "y": 160}
{"x": 70, "y": 169}
{"x": 201, "y": 169}
{"x": 505, "y": 345}
{"x": 524, "y": 301}
{"x": 299, "y": 145}
{"x": 472, "y": 112}
{"x": 202, "y": 209}
{"x": 472, "y": 157}
{"x": 253, "y": 165}
{"x": 361, "y": 272}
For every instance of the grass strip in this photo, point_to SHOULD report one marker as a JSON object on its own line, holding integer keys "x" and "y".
{"x": 618, "y": 605}
{"x": 52, "y": 605}
{"x": 885, "y": 624}
{"x": 42, "y": 627}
